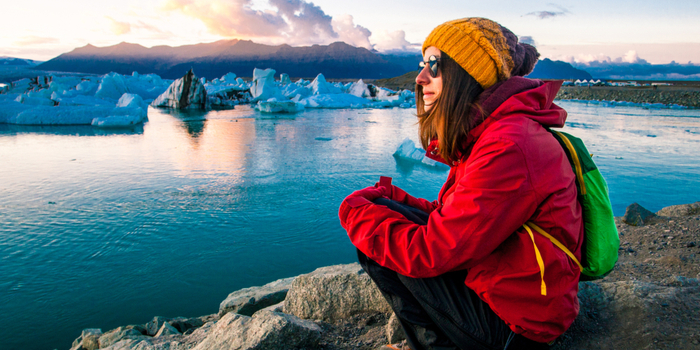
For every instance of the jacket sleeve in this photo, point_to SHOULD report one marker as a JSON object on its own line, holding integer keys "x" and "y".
{"x": 493, "y": 196}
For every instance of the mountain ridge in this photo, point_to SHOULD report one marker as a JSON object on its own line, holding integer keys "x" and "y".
{"x": 212, "y": 60}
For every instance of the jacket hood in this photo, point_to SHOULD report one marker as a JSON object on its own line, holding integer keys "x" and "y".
{"x": 516, "y": 96}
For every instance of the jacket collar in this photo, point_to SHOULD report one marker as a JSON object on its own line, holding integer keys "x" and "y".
{"x": 517, "y": 95}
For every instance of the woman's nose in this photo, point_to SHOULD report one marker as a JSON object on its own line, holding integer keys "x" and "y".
{"x": 423, "y": 77}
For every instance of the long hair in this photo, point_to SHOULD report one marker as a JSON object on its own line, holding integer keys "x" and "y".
{"x": 450, "y": 117}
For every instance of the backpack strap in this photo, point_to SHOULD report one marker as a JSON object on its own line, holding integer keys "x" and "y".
{"x": 576, "y": 162}
{"x": 529, "y": 226}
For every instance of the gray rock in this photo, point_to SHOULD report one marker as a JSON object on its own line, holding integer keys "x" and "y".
{"x": 88, "y": 340}
{"x": 119, "y": 334}
{"x": 680, "y": 210}
{"x": 394, "y": 331}
{"x": 333, "y": 293}
{"x": 249, "y": 300}
{"x": 633, "y": 314}
{"x": 264, "y": 330}
{"x": 187, "y": 92}
{"x": 636, "y": 215}
{"x": 185, "y": 325}
{"x": 166, "y": 329}
{"x": 279, "y": 307}
{"x": 141, "y": 329}
{"x": 154, "y": 325}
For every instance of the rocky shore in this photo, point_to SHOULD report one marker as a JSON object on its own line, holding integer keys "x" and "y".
{"x": 667, "y": 95}
{"x": 651, "y": 300}
{"x": 679, "y": 93}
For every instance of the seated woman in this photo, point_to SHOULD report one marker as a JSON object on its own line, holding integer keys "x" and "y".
{"x": 462, "y": 272}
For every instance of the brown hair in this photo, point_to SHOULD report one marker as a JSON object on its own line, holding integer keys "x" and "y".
{"x": 450, "y": 118}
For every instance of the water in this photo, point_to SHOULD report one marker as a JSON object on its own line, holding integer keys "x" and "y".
{"x": 100, "y": 229}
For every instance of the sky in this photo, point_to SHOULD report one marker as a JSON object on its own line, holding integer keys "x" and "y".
{"x": 574, "y": 31}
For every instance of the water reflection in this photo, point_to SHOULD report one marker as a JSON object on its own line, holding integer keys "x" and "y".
{"x": 68, "y": 130}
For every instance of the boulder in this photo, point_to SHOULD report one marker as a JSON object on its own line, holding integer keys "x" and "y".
{"x": 634, "y": 315}
{"x": 636, "y": 215}
{"x": 154, "y": 325}
{"x": 187, "y": 92}
{"x": 116, "y": 335}
{"x": 88, "y": 340}
{"x": 187, "y": 325}
{"x": 394, "y": 332}
{"x": 264, "y": 330}
{"x": 333, "y": 293}
{"x": 680, "y": 210}
{"x": 249, "y": 300}
{"x": 166, "y": 329}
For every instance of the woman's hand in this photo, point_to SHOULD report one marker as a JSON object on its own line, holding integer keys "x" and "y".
{"x": 365, "y": 196}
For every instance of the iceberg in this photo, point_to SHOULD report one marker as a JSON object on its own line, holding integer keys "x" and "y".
{"x": 263, "y": 86}
{"x": 274, "y": 106}
{"x": 112, "y": 86}
{"x": 407, "y": 150}
{"x": 187, "y": 92}
{"x": 335, "y": 101}
{"x": 321, "y": 87}
{"x": 359, "y": 89}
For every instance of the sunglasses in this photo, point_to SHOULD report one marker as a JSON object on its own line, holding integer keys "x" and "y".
{"x": 432, "y": 62}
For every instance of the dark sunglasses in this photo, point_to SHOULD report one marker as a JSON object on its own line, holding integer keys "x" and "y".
{"x": 432, "y": 62}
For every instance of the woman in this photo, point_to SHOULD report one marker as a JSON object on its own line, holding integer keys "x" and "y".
{"x": 462, "y": 271}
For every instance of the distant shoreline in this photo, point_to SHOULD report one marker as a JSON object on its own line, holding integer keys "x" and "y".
{"x": 688, "y": 96}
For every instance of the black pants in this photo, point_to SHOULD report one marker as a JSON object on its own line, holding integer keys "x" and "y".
{"x": 440, "y": 312}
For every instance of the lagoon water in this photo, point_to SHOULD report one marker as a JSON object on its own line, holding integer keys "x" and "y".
{"x": 102, "y": 228}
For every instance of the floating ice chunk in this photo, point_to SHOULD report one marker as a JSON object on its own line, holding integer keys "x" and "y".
{"x": 384, "y": 93}
{"x": 35, "y": 101}
{"x": 11, "y": 109}
{"x": 284, "y": 79}
{"x": 274, "y": 106}
{"x": 335, "y": 101}
{"x": 185, "y": 93}
{"x": 229, "y": 78}
{"x": 263, "y": 87}
{"x": 407, "y": 150}
{"x": 83, "y": 100}
{"x": 359, "y": 89}
{"x": 60, "y": 115}
{"x": 114, "y": 121}
{"x": 320, "y": 86}
{"x": 295, "y": 89}
{"x": 132, "y": 100}
{"x": 112, "y": 87}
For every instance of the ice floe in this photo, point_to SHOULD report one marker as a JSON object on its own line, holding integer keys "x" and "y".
{"x": 100, "y": 100}
{"x": 407, "y": 150}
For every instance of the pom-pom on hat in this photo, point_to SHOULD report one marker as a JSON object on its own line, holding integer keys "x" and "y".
{"x": 488, "y": 51}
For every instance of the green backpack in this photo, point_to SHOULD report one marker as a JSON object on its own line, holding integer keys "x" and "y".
{"x": 601, "y": 239}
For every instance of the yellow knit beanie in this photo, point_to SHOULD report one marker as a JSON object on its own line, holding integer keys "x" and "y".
{"x": 485, "y": 49}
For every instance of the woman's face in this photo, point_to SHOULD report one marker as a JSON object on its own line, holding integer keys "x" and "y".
{"x": 431, "y": 86}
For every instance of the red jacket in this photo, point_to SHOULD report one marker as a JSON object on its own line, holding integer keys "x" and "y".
{"x": 514, "y": 171}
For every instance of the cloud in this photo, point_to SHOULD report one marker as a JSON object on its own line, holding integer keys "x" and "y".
{"x": 32, "y": 40}
{"x": 527, "y": 40}
{"x": 393, "y": 41}
{"x": 350, "y": 33}
{"x": 631, "y": 57}
{"x": 293, "y": 22}
{"x": 119, "y": 28}
{"x": 549, "y": 14}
